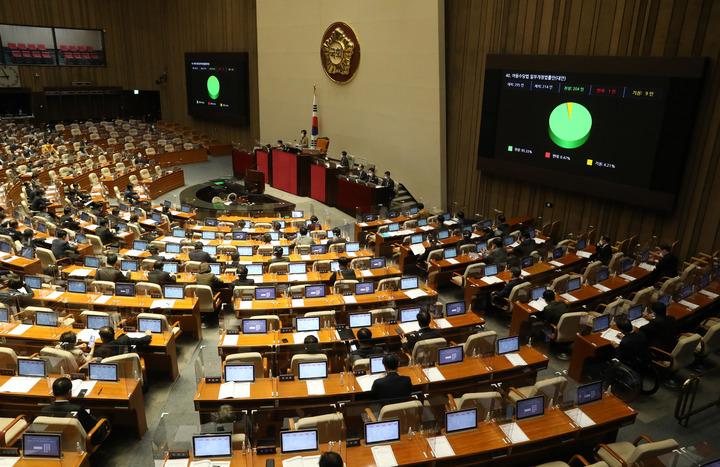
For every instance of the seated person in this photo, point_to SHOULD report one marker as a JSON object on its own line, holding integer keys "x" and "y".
{"x": 61, "y": 248}
{"x": 206, "y": 277}
{"x": 604, "y": 251}
{"x": 503, "y": 228}
{"x": 661, "y": 331}
{"x": 392, "y": 385}
{"x": 242, "y": 279}
{"x": 365, "y": 347}
{"x": 337, "y": 237}
{"x": 66, "y": 221}
{"x": 526, "y": 246}
{"x": 362, "y": 175}
{"x": 12, "y": 230}
{"x": 466, "y": 239}
{"x": 632, "y": 350}
{"x": 345, "y": 271}
{"x": 43, "y": 212}
{"x": 39, "y": 201}
{"x": 515, "y": 272}
{"x": 344, "y": 161}
{"x": 154, "y": 250}
{"x": 434, "y": 245}
{"x": 110, "y": 272}
{"x": 234, "y": 262}
{"x": 667, "y": 265}
{"x": 497, "y": 253}
{"x": 314, "y": 224}
{"x": 107, "y": 236}
{"x": 425, "y": 332}
{"x": 130, "y": 195}
{"x": 158, "y": 276}
{"x": 27, "y": 239}
{"x": 371, "y": 177}
{"x": 278, "y": 256}
{"x": 135, "y": 221}
{"x": 303, "y": 238}
{"x": 111, "y": 345}
{"x": 62, "y": 391}
{"x": 199, "y": 255}
{"x": 330, "y": 459}
{"x": 554, "y": 309}
{"x": 68, "y": 342}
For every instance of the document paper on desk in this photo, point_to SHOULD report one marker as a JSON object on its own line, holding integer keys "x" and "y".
{"x": 133, "y": 253}
{"x": 230, "y": 339}
{"x": 647, "y": 267}
{"x": 298, "y": 302}
{"x": 384, "y": 456}
{"x": 207, "y": 463}
{"x": 415, "y": 293}
{"x": 299, "y": 337}
{"x": 687, "y": 304}
{"x": 176, "y": 463}
{"x": 640, "y": 322}
{"x": 86, "y": 334}
{"x": 441, "y": 446}
{"x": 21, "y": 384}
{"x": 162, "y": 304}
{"x": 709, "y": 294}
{"x": 514, "y": 433}
{"x": 417, "y": 249}
{"x": 434, "y": 374}
{"x": 315, "y": 387}
{"x": 103, "y": 299}
{"x": 601, "y": 288}
{"x": 515, "y": 359}
{"x": 297, "y": 277}
{"x": 234, "y": 390}
{"x": 78, "y": 385}
{"x": 442, "y": 323}
{"x": 538, "y": 304}
{"x": 81, "y": 272}
{"x": 611, "y": 335}
{"x": 366, "y": 381}
{"x": 245, "y": 304}
{"x": 453, "y": 261}
{"x": 583, "y": 254}
{"x": 349, "y": 299}
{"x": 524, "y": 273}
{"x": 557, "y": 264}
{"x": 53, "y": 295}
{"x": 365, "y": 272}
{"x": 491, "y": 279}
{"x": 8, "y": 461}
{"x": 580, "y": 418}
{"x": 410, "y": 326}
{"x": 19, "y": 329}
{"x": 627, "y": 278}
{"x": 569, "y": 297}
{"x": 300, "y": 461}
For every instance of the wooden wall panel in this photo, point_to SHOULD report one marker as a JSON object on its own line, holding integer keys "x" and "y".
{"x": 144, "y": 38}
{"x": 669, "y": 28}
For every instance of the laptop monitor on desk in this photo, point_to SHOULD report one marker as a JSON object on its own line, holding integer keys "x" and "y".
{"x": 129, "y": 265}
{"x": 574, "y": 284}
{"x": 185, "y": 208}
{"x": 41, "y": 446}
{"x": 508, "y": 345}
{"x": 491, "y": 270}
{"x": 103, "y": 372}
{"x": 26, "y": 253}
{"x": 530, "y": 407}
{"x": 351, "y": 247}
{"x": 211, "y": 222}
{"x": 239, "y": 235}
{"x": 31, "y": 367}
{"x": 265, "y": 293}
{"x": 394, "y": 227}
{"x": 297, "y": 214}
{"x": 4, "y": 318}
{"x": 454, "y": 309}
{"x": 173, "y": 292}
{"x": 557, "y": 252}
{"x": 46, "y": 318}
{"x": 687, "y": 290}
{"x": 416, "y": 238}
{"x": 97, "y": 322}
{"x": 210, "y": 249}
{"x": 34, "y": 282}
{"x": 527, "y": 262}
{"x": 537, "y": 292}
{"x": 318, "y": 249}
{"x": 245, "y": 250}
{"x": 173, "y": 248}
{"x": 409, "y": 314}
{"x": 509, "y": 240}
{"x": 408, "y": 283}
{"x": 297, "y": 268}
{"x": 242, "y": 373}
{"x": 298, "y": 441}
{"x": 140, "y": 245}
{"x": 254, "y": 326}
{"x": 215, "y": 268}
{"x": 449, "y": 253}
{"x": 664, "y": 299}
{"x": 626, "y": 265}
{"x": 591, "y": 392}
{"x": 603, "y": 274}
{"x": 172, "y": 268}
{"x": 91, "y": 262}
{"x": 422, "y": 222}
{"x": 125, "y": 289}
{"x": 155, "y": 325}
{"x": 314, "y": 291}
{"x": 312, "y": 370}
{"x": 308, "y": 324}
{"x": 376, "y": 364}
{"x": 180, "y": 233}
{"x": 386, "y": 431}
{"x": 460, "y": 420}
{"x": 212, "y": 446}
{"x": 360, "y": 320}
{"x": 208, "y": 235}
{"x": 364, "y": 288}
{"x": 601, "y": 323}
{"x": 581, "y": 244}
{"x": 377, "y": 263}
{"x": 447, "y": 355}
{"x": 635, "y": 312}
{"x": 255, "y": 269}
{"x": 443, "y": 235}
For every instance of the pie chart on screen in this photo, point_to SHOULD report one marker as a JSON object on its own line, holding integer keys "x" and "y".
{"x": 213, "y": 87}
{"x": 569, "y": 125}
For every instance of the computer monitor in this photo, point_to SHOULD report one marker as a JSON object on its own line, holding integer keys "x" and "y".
{"x": 314, "y": 291}
{"x": 509, "y": 240}
{"x": 297, "y": 214}
{"x": 215, "y": 268}
{"x": 297, "y": 268}
{"x": 212, "y": 446}
{"x": 687, "y": 290}
{"x": 377, "y": 263}
{"x": 368, "y": 217}
{"x": 531, "y": 233}
{"x": 172, "y": 268}
{"x": 386, "y": 431}
{"x": 330, "y": 234}
{"x": 84, "y": 216}
{"x": 414, "y": 210}
{"x": 285, "y": 250}
{"x": 537, "y": 292}
{"x": 31, "y": 367}
{"x": 125, "y": 289}
{"x": 704, "y": 280}
{"x": 460, "y": 420}
{"x": 443, "y": 234}
{"x": 626, "y": 265}
{"x": 122, "y": 207}
{"x": 80, "y": 239}
{"x": 239, "y": 235}
{"x": 581, "y": 244}
{"x": 449, "y": 253}
{"x": 139, "y": 245}
{"x": 41, "y": 446}
{"x": 167, "y": 203}
{"x": 557, "y": 252}
{"x": 454, "y": 309}
{"x": 173, "y": 248}
{"x": 180, "y": 233}
{"x": 603, "y": 274}
{"x": 307, "y": 324}
{"x": 530, "y": 407}
{"x": 254, "y": 269}
{"x": 138, "y": 211}
{"x": 508, "y": 345}
{"x": 364, "y": 288}
{"x": 275, "y": 236}
{"x": 392, "y": 214}
{"x": 318, "y": 249}
{"x": 376, "y": 364}
{"x": 254, "y": 326}
{"x": 645, "y": 256}
{"x": 155, "y": 325}
{"x": 360, "y": 320}
{"x": 664, "y": 299}
{"x": 298, "y": 441}
{"x": 4, "y": 315}
{"x": 92, "y": 262}
{"x": 76, "y": 286}
{"x": 491, "y": 270}
{"x": 175, "y": 292}
{"x": 240, "y": 372}
{"x": 34, "y": 282}
{"x": 447, "y": 355}
{"x": 351, "y": 247}
{"x": 185, "y": 208}
{"x": 157, "y": 217}
{"x": 601, "y": 323}
{"x": 46, "y": 318}
{"x": 635, "y": 312}
{"x": 26, "y": 253}
{"x": 208, "y": 235}
{"x": 265, "y": 293}
{"x": 526, "y": 262}
{"x": 422, "y": 222}
{"x": 334, "y": 265}
{"x": 41, "y": 227}
{"x": 129, "y": 265}
{"x": 574, "y": 284}
{"x": 480, "y": 247}
{"x": 409, "y": 314}
{"x": 590, "y": 392}
{"x": 394, "y": 227}
{"x": 103, "y": 371}
{"x": 408, "y": 283}
{"x": 210, "y": 249}
{"x": 312, "y": 370}
{"x": 416, "y": 238}
{"x": 245, "y": 250}
{"x": 97, "y": 322}
{"x": 211, "y": 222}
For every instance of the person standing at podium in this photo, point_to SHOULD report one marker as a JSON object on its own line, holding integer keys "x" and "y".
{"x": 304, "y": 142}
{"x": 389, "y": 182}
{"x": 345, "y": 161}
{"x": 362, "y": 175}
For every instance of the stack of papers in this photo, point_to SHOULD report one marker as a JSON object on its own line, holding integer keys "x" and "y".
{"x": 491, "y": 279}
{"x": 601, "y": 287}
{"x": 583, "y": 254}
{"x": 245, "y": 304}
{"x": 646, "y": 266}
{"x": 19, "y": 329}
{"x": 516, "y": 359}
{"x": 709, "y": 294}
{"x": 297, "y": 277}
{"x": 433, "y": 374}
{"x": 349, "y": 299}
{"x": 78, "y": 386}
{"x": 514, "y": 433}
{"x": 366, "y": 381}
{"x": 176, "y": 463}
{"x": 640, "y": 322}
{"x": 415, "y": 293}
{"x": 569, "y": 297}
{"x": 453, "y": 261}
{"x": 162, "y": 304}
{"x": 103, "y": 299}
{"x": 685, "y": 303}
{"x": 351, "y": 254}
{"x": 299, "y": 337}
{"x": 53, "y": 295}
{"x": 579, "y": 418}
{"x": 133, "y": 253}
{"x": 365, "y": 272}
{"x": 441, "y": 446}
{"x": 557, "y": 264}
{"x": 425, "y": 228}
{"x": 611, "y": 335}
{"x": 410, "y": 326}
{"x": 384, "y": 456}
{"x": 442, "y": 323}
{"x": 230, "y": 339}
{"x": 234, "y": 390}
{"x": 298, "y": 302}
{"x": 299, "y": 461}
{"x": 81, "y": 272}
{"x": 627, "y": 278}
{"x": 207, "y": 463}
{"x": 524, "y": 273}
{"x": 417, "y": 249}
{"x": 315, "y": 387}
{"x": 306, "y": 257}
{"x": 538, "y": 304}
{"x": 86, "y": 334}
{"x": 22, "y": 384}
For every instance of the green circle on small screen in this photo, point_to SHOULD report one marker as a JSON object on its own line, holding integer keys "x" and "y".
{"x": 569, "y": 125}
{"x": 213, "y": 87}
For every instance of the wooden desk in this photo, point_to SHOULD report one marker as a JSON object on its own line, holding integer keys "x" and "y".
{"x": 167, "y": 182}
{"x": 353, "y": 197}
{"x": 323, "y": 183}
{"x": 364, "y": 228}
{"x": 186, "y": 310}
{"x": 440, "y": 272}
{"x": 186, "y": 156}
{"x": 265, "y": 164}
{"x": 20, "y": 265}
{"x": 122, "y": 402}
{"x": 69, "y": 459}
{"x": 291, "y": 172}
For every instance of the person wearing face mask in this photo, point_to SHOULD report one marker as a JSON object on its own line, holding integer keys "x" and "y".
{"x": 372, "y": 178}
{"x": 304, "y": 142}
{"x": 667, "y": 265}
{"x": 387, "y": 181}
{"x": 603, "y": 250}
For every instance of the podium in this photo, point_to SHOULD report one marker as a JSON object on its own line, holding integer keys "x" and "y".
{"x": 323, "y": 183}
{"x": 352, "y": 196}
{"x": 291, "y": 172}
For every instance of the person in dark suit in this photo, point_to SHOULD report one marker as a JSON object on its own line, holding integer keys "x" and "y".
{"x": 466, "y": 239}
{"x": 199, "y": 255}
{"x": 158, "y": 276}
{"x": 62, "y": 407}
{"x": 314, "y": 224}
{"x": 61, "y": 248}
{"x": 503, "y": 228}
{"x": 515, "y": 280}
{"x": 365, "y": 347}
{"x": 154, "y": 250}
{"x": 39, "y": 202}
{"x": 362, "y": 175}
{"x": 392, "y": 385}
{"x": 554, "y": 309}
{"x": 242, "y": 279}
{"x": 425, "y": 332}
{"x": 497, "y": 253}
{"x": 110, "y": 273}
{"x": 632, "y": 350}
{"x": 667, "y": 265}
{"x": 603, "y": 250}
{"x": 389, "y": 182}
{"x": 66, "y": 221}
{"x": 661, "y": 332}
{"x": 106, "y": 235}
{"x": 206, "y": 277}
{"x": 344, "y": 160}
{"x": 526, "y": 246}
{"x": 434, "y": 245}
{"x": 130, "y": 195}
{"x": 278, "y": 256}
{"x": 345, "y": 271}
{"x": 12, "y": 230}
{"x": 372, "y": 178}
{"x": 337, "y": 237}
{"x": 112, "y": 345}
{"x": 330, "y": 459}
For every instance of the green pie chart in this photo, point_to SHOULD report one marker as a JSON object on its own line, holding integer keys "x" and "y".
{"x": 570, "y": 125}
{"x": 213, "y": 86}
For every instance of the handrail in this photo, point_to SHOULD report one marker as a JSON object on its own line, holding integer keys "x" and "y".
{"x": 686, "y": 399}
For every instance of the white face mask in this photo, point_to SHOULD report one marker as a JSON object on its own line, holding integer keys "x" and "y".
{"x": 387, "y": 176}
